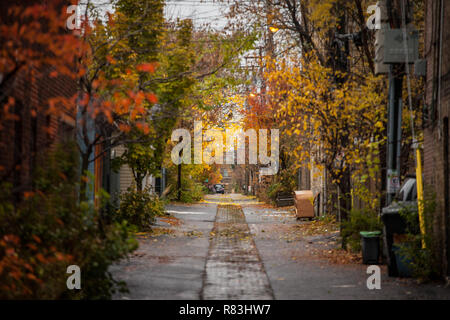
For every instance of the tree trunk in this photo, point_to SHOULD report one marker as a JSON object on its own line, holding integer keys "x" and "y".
{"x": 179, "y": 183}
{"x": 139, "y": 180}
{"x": 345, "y": 201}
{"x": 138, "y": 177}
{"x": 83, "y": 177}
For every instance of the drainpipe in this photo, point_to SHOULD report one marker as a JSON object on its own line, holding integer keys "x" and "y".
{"x": 441, "y": 19}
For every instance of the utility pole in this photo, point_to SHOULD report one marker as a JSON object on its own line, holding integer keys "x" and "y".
{"x": 394, "y": 124}
{"x": 400, "y": 48}
{"x": 394, "y": 130}
{"x": 395, "y": 105}
{"x": 270, "y": 46}
{"x": 179, "y": 175}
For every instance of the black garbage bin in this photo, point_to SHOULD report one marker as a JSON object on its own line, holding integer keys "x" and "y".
{"x": 370, "y": 243}
{"x": 395, "y": 223}
{"x": 403, "y": 265}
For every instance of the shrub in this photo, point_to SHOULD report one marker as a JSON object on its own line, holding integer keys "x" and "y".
{"x": 273, "y": 190}
{"x": 284, "y": 182}
{"x": 196, "y": 193}
{"x": 422, "y": 261}
{"x": 359, "y": 220}
{"x": 139, "y": 208}
{"x": 50, "y": 230}
{"x": 191, "y": 192}
{"x": 193, "y": 179}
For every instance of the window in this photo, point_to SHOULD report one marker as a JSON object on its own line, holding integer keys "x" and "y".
{"x": 66, "y": 132}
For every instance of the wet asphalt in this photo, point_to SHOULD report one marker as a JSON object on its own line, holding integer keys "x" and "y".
{"x": 252, "y": 258}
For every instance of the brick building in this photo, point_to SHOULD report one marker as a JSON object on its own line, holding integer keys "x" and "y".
{"x": 25, "y": 140}
{"x": 436, "y": 132}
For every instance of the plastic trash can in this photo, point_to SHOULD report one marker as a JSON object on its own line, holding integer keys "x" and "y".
{"x": 370, "y": 243}
{"x": 403, "y": 265}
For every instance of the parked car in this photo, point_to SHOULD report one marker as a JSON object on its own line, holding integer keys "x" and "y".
{"x": 219, "y": 188}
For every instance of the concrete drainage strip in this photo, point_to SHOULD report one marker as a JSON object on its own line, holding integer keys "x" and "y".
{"x": 233, "y": 268}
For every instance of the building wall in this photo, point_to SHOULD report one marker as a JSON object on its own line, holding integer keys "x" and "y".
{"x": 26, "y": 140}
{"x": 125, "y": 178}
{"x": 435, "y": 174}
{"x": 125, "y": 174}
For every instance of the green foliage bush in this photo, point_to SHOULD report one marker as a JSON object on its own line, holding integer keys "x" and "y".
{"x": 273, "y": 190}
{"x": 192, "y": 187}
{"x": 284, "y": 182}
{"x": 191, "y": 192}
{"x": 359, "y": 220}
{"x": 139, "y": 208}
{"x": 422, "y": 261}
{"x": 50, "y": 229}
{"x": 196, "y": 193}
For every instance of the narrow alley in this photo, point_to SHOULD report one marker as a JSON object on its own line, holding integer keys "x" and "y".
{"x": 232, "y": 247}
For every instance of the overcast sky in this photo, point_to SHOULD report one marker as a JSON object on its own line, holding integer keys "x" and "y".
{"x": 201, "y": 11}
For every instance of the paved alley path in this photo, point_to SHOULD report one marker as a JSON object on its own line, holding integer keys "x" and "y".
{"x": 231, "y": 247}
{"x": 233, "y": 268}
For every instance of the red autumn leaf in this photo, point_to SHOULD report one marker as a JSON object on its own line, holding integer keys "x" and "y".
{"x": 15, "y": 274}
{"x": 146, "y": 67}
{"x": 124, "y": 127}
{"x": 31, "y": 276}
{"x": 59, "y": 256}
{"x": 152, "y": 98}
{"x": 28, "y": 194}
{"x": 111, "y": 60}
{"x": 95, "y": 84}
{"x": 11, "y": 238}
{"x": 62, "y": 176}
{"x": 31, "y": 246}
{"x": 37, "y": 239}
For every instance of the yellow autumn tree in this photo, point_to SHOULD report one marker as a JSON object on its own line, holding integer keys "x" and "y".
{"x": 337, "y": 127}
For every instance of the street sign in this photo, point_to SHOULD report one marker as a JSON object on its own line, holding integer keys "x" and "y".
{"x": 393, "y": 185}
{"x": 394, "y": 48}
